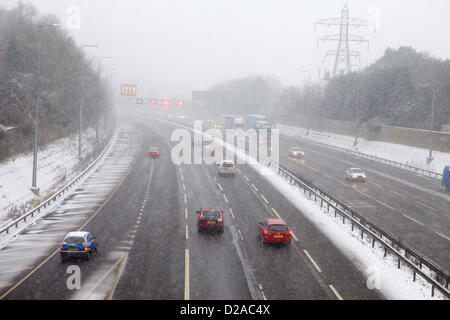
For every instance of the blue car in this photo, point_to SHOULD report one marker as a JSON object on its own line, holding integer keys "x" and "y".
{"x": 446, "y": 178}
{"x": 79, "y": 244}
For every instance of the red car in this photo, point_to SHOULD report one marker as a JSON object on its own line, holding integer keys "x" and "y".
{"x": 153, "y": 152}
{"x": 274, "y": 231}
{"x": 210, "y": 219}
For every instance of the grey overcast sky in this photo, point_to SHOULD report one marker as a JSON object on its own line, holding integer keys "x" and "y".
{"x": 169, "y": 48}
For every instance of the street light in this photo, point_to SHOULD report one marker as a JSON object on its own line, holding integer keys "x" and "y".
{"x": 34, "y": 187}
{"x": 100, "y": 78}
{"x": 433, "y": 97}
{"x": 309, "y": 79}
{"x": 81, "y": 99}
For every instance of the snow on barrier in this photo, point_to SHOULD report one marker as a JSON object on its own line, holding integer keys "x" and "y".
{"x": 61, "y": 194}
{"x": 422, "y": 267}
{"x": 427, "y": 173}
{"x": 435, "y": 275}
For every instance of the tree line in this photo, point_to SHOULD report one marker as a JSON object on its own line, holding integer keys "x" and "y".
{"x": 396, "y": 90}
{"x": 64, "y": 72}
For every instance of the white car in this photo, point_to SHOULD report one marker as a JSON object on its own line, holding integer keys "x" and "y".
{"x": 355, "y": 174}
{"x": 226, "y": 168}
{"x": 295, "y": 152}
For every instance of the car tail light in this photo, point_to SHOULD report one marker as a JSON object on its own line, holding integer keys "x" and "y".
{"x": 85, "y": 248}
{"x": 62, "y": 247}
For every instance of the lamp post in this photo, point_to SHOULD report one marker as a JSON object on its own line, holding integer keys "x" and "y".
{"x": 100, "y": 78}
{"x": 34, "y": 187}
{"x": 433, "y": 97}
{"x": 81, "y": 99}
{"x": 309, "y": 78}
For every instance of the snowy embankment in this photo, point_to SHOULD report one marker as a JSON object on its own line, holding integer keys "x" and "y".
{"x": 412, "y": 156}
{"x": 58, "y": 163}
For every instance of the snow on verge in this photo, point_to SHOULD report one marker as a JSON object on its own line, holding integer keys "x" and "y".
{"x": 412, "y": 156}
{"x": 394, "y": 284}
{"x": 57, "y": 163}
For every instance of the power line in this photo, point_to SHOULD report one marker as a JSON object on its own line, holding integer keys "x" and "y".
{"x": 343, "y": 54}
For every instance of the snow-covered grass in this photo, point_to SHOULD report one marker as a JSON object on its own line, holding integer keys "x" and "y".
{"x": 395, "y": 152}
{"x": 58, "y": 163}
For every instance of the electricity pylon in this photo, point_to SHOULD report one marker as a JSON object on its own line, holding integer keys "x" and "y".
{"x": 343, "y": 53}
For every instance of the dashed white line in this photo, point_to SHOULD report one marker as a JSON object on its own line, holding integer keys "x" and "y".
{"x": 444, "y": 236}
{"x": 256, "y": 189}
{"x": 245, "y": 177}
{"x": 232, "y": 215}
{"x": 225, "y": 197}
{"x": 412, "y": 219}
{"x": 187, "y": 233}
{"x": 186, "y": 274}
{"x": 312, "y": 261}
{"x": 335, "y": 292}
{"x": 185, "y": 199}
{"x": 276, "y": 213}
{"x": 185, "y": 213}
{"x": 220, "y": 187}
{"x": 264, "y": 198}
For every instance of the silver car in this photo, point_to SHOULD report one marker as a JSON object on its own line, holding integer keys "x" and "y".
{"x": 227, "y": 168}
{"x": 295, "y": 152}
{"x": 355, "y": 174}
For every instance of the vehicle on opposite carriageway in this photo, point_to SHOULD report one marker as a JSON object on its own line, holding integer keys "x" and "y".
{"x": 446, "y": 178}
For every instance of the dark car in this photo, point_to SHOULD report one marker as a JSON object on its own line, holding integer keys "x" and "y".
{"x": 153, "y": 152}
{"x": 210, "y": 219}
{"x": 79, "y": 244}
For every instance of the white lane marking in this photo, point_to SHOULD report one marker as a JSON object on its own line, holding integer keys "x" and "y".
{"x": 185, "y": 199}
{"x": 312, "y": 260}
{"x": 187, "y": 233}
{"x": 335, "y": 292}
{"x": 232, "y": 215}
{"x": 225, "y": 197}
{"x": 256, "y": 189}
{"x": 185, "y": 213}
{"x": 246, "y": 178}
{"x": 276, "y": 213}
{"x": 412, "y": 219}
{"x": 443, "y": 235}
{"x": 186, "y": 274}
{"x": 264, "y": 198}
{"x": 293, "y": 235}
{"x": 220, "y": 187}
{"x": 184, "y": 187}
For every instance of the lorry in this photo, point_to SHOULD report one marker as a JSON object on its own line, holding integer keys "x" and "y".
{"x": 446, "y": 178}
{"x": 257, "y": 121}
{"x": 252, "y": 120}
{"x": 229, "y": 120}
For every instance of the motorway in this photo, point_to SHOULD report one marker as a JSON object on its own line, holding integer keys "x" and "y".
{"x": 150, "y": 248}
{"x": 413, "y": 208}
